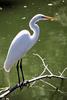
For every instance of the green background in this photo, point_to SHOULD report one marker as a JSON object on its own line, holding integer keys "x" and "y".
{"x": 52, "y": 45}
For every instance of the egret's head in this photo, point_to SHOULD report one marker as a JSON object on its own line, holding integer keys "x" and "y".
{"x": 39, "y": 17}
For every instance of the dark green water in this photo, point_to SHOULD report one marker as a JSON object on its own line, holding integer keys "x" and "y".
{"x": 52, "y": 45}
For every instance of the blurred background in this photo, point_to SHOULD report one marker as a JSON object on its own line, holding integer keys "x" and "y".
{"x": 52, "y": 45}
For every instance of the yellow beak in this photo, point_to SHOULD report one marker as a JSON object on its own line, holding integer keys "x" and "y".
{"x": 50, "y": 18}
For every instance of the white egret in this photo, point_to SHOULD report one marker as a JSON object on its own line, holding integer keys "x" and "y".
{"x": 22, "y": 43}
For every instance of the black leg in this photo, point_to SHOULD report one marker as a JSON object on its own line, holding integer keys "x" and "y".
{"x": 17, "y": 66}
{"x": 21, "y": 70}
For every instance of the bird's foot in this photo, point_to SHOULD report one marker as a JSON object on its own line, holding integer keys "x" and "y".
{"x": 26, "y": 83}
{"x": 21, "y": 87}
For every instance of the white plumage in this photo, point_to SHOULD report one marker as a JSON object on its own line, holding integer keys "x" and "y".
{"x": 23, "y": 42}
{"x": 20, "y": 44}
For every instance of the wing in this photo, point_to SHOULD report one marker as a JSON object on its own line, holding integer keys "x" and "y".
{"x": 19, "y": 46}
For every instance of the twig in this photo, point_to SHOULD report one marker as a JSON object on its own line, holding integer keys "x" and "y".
{"x": 46, "y": 67}
{"x": 52, "y": 86}
{"x": 4, "y": 93}
{"x": 27, "y": 83}
{"x": 39, "y": 75}
{"x": 63, "y": 71}
{"x": 3, "y": 89}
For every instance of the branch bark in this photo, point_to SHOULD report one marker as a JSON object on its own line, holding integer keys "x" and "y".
{"x": 9, "y": 90}
{"x": 26, "y": 83}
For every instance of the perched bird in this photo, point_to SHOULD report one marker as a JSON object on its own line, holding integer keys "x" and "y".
{"x": 22, "y": 43}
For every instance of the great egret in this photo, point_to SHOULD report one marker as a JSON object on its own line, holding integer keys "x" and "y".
{"x": 22, "y": 43}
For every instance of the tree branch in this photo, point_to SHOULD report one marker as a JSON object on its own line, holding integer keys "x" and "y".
{"x": 26, "y": 83}
{"x": 9, "y": 90}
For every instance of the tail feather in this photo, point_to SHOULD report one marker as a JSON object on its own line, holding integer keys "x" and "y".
{"x": 7, "y": 67}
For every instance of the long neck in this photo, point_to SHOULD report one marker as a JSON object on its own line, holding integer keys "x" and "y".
{"x": 35, "y": 28}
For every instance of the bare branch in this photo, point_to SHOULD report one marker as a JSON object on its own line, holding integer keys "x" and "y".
{"x": 46, "y": 67}
{"x": 63, "y": 71}
{"x": 52, "y": 86}
{"x": 9, "y": 90}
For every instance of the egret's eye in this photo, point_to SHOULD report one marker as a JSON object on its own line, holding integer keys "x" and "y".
{"x": 42, "y": 17}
